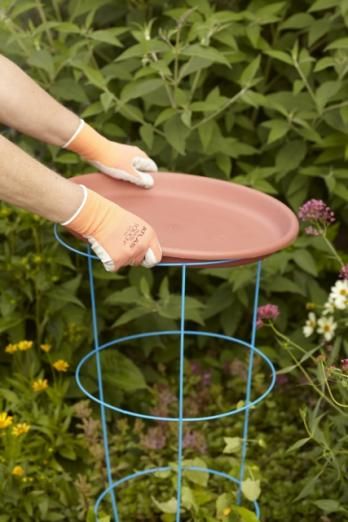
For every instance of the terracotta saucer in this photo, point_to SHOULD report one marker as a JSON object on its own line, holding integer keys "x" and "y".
{"x": 197, "y": 218}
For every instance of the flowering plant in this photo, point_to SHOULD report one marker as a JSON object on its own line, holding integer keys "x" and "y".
{"x": 324, "y": 362}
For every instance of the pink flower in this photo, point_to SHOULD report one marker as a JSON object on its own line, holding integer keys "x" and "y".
{"x": 266, "y": 312}
{"x": 344, "y": 365}
{"x": 344, "y": 272}
{"x": 316, "y": 212}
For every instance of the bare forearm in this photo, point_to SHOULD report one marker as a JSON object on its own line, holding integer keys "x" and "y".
{"x": 26, "y": 183}
{"x": 26, "y": 107}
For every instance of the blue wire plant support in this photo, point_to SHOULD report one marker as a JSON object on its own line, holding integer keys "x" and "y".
{"x": 180, "y": 420}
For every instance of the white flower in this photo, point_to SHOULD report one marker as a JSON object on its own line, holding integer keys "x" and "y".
{"x": 310, "y": 324}
{"x": 339, "y": 294}
{"x": 329, "y": 307}
{"x": 327, "y": 327}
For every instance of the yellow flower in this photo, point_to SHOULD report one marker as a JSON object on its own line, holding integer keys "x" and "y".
{"x": 45, "y": 347}
{"x": 5, "y": 420}
{"x": 61, "y": 365}
{"x": 18, "y": 471}
{"x": 11, "y": 348}
{"x": 25, "y": 345}
{"x": 39, "y": 385}
{"x": 226, "y": 511}
{"x": 20, "y": 429}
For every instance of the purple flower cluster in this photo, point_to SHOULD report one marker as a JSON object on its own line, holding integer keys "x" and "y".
{"x": 155, "y": 438}
{"x": 195, "y": 440}
{"x": 344, "y": 272}
{"x": 316, "y": 212}
{"x": 344, "y": 365}
{"x": 267, "y": 312}
{"x": 204, "y": 375}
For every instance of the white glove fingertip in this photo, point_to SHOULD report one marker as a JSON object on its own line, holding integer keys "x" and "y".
{"x": 150, "y": 259}
{"x": 147, "y": 180}
{"x": 144, "y": 164}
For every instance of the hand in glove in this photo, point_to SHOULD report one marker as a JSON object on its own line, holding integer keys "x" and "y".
{"x": 118, "y": 237}
{"x": 119, "y": 161}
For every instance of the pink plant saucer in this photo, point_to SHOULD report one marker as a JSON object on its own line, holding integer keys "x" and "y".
{"x": 203, "y": 219}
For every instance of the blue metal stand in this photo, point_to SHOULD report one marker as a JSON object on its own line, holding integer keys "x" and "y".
{"x": 180, "y": 420}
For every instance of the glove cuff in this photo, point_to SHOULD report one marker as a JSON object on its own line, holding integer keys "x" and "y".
{"x": 77, "y": 212}
{"x": 87, "y": 142}
{"x": 81, "y": 124}
{"x": 90, "y": 218}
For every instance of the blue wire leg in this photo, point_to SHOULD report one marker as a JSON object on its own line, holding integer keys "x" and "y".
{"x": 249, "y": 382}
{"x": 181, "y": 392}
{"x": 100, "y": 387}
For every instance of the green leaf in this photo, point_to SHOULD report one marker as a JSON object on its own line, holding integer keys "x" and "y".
{"x": 325, "y": 92}
{"x": 207, "y": 53}
{"x": 282, "y": 284}
{"x": 127, "y": 295}
{"x": 188, "y": 499}
{"x": 291, "y": 155}
{"x": 94, "y": 76}
{"x": 205, "y": 132}
{"x": 279, "y": 55}
{"x": 6, "y": 323}
{"x": 130, "y": 315}
{"x": 279, "y": 128}
{"x": 176, "y": 133}
{"x": 108, "y": 36}
{"x": 118, "y": 370}
{"x": 43, "y": 60}
{"x": 250, "y": 71}
{"x": 140, "y": 88}
{"x": 297, "y": 21}
{"x": 328, "y": 505}
{"x": 141, "y": 49}
{"x": 69, "y": 89}
{"x": 222, "y": 502}
{"x": 233, "y": 444}
{"x": 146, "y": 133}
{"x": 323, "y": 4}
{"x": 246, "y": 514}
{"x": 165, "y": 115}
{"x": 166, "y": 507}
{"x": 306, "y": 261}
{"x": 106, "y": 99}
{"x": 341, "y": 43}
{"x": 298, "y": 444}
{"x": 251, "y": 489}
{"x": 198, "y": 477}
{"x": 224, "y": 163}
{"x": 194, "y": 64}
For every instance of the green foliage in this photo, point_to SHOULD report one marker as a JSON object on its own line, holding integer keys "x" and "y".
{"x": 250, "y": 92}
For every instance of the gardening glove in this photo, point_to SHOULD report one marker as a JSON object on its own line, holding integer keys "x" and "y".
{"x": 118, "y": 237}
{"x": 119, "y": 161}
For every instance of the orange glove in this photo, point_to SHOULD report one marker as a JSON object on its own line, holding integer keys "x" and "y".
{"x": 118, "y": 237}
{"x": 119, "y": 161}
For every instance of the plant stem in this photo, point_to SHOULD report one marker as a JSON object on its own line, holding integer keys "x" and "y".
{"x": 227, "y": 104}
{"x": 305, "y": 81}
{"x": 333, "y": 250}
{"x": 44, "y": 21}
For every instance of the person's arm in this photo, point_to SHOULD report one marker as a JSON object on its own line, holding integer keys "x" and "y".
{"x": 118, "y": 237}
{"x": 26, "y": 107}
{"x": 26, "y": 183}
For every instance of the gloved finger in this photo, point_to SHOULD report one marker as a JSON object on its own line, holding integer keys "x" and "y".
{"x": 104, "y": 256}
{"x": 144, "y": 164}
{"x": 153, "y": 255}
{"x": 141, "y": 179}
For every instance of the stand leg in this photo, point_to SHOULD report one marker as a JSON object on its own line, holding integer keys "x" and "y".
{"x": 181, "y": 392}
{"x": 100, "y": 387}
{"x": 249, "y": 381}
